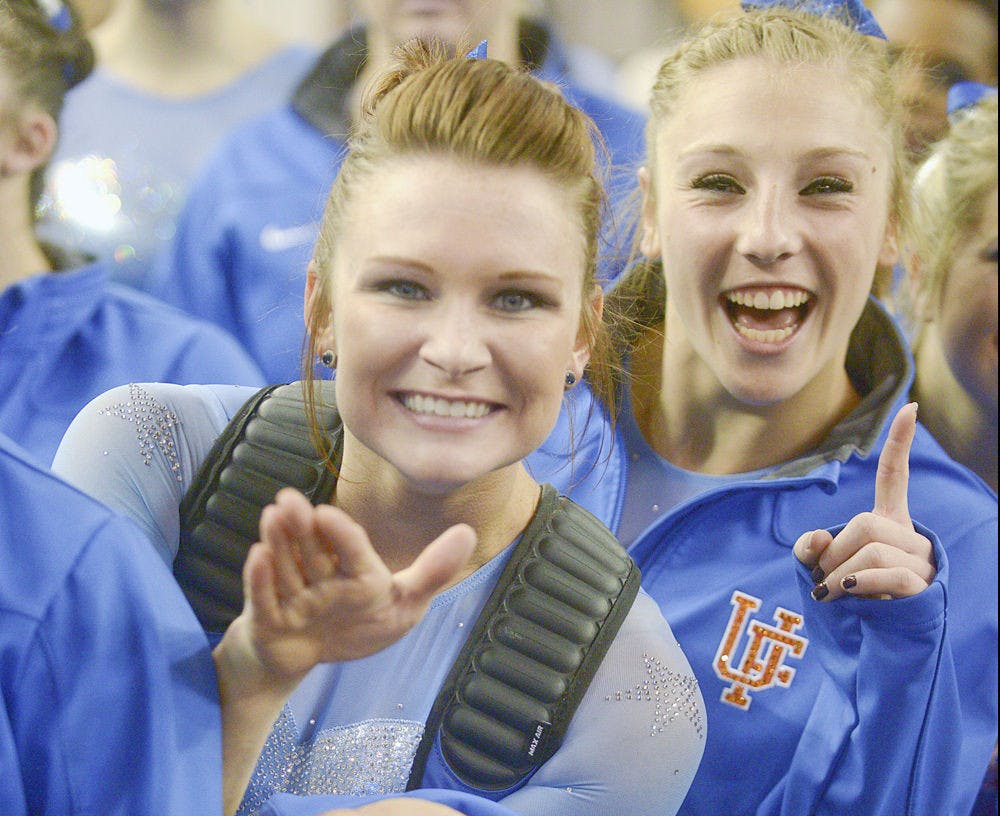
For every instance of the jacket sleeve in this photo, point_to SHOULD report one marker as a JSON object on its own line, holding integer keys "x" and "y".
{"x": 116, "y": 708}
{"x": 886, "y": 730}
{"x": 212, "y": 355}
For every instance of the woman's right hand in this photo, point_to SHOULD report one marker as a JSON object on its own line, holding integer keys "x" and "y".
{"x": 317, "y": 592}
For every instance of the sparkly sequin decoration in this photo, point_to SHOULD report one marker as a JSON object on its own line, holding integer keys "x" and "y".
{"x": 673, "y": 695}
{"x": 371, "y": 757}
{"x": 762, "y": 665}
{"x": 154, "y": 424}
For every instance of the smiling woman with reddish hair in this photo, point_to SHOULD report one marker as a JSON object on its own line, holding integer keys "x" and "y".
{"x": 845, "y": 670}
{"x": 454, "y": 287}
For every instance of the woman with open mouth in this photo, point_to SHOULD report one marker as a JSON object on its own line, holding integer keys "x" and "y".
{"x": 768, "y": 396}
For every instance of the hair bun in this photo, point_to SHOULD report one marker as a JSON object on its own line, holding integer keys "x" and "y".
{"x": 408, "y": 58}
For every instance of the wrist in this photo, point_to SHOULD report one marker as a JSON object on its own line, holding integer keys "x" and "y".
{"x": 239, "y": 666}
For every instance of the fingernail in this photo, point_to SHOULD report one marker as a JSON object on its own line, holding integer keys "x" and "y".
{"x": 849, "y": 582}
{"x": 820, "y": 591}
{"x": 817, "y": 574}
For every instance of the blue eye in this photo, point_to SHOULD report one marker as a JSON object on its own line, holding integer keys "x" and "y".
{"x": 827, "y": 185}
{"x": 408, "y": 290}
{"x": 718, "y": 183}
{"x": 516, "y": 301}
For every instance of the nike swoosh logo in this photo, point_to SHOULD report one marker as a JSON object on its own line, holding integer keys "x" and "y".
{"x": 277, "y": 239}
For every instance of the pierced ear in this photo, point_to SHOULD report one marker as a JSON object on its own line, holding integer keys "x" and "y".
{"x": 649, "y": 242}
{"x": 33, "y": 138}
{"x": 324, "y": 340}
{"x": 580, "y": 355}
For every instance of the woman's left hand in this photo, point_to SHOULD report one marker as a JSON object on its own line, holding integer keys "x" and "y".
{"x": 878, "y": 554}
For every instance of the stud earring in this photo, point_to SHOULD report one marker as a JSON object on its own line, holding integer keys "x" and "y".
{"x": 328, "y": 358}
{"x": 570, "y": 379}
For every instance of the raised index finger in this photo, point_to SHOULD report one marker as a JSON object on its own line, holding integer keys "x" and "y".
{"x": 893, "y": 475}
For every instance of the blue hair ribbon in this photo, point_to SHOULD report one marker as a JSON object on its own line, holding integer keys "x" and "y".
{"x": 479, "y": 52}
{"x": 963, "y": 95}
{"x": 57, "y": 14}
{"x": 856, "y": 12}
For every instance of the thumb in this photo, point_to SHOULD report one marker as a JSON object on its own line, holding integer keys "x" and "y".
{"x": 892, "y": 478}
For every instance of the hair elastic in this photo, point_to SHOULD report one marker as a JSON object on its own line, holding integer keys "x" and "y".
{"x": 479, "y": 52}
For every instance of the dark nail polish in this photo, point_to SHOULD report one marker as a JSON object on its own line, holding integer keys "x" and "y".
{"x": 817, "y": 574}
{"x": 820, "y": 591}
{"x": 849, "y": 582}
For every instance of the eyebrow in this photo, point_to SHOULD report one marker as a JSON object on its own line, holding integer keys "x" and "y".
{"x": 528, "y": 274}
{"x": 814, "y": 154}
{"x": 512, "y": 274}
{"x": 396, "y": 260}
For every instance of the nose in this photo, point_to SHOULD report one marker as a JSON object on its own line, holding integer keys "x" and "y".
{"x": 454, "y": 340}
{"x": 768, "y": 232}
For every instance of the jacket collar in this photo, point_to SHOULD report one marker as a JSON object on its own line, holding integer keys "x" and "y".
{"x": 323, "y": 96}
{"x": 880, "y": 366}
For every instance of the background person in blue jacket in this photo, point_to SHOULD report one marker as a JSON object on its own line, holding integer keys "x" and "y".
{"x": 171, "y": 80}
{"x": 66, "y": 333}
{"x": 951, "y": 299}
{"x": 245, "y": 235}
{"x": 762, "y": 381}
{"x": 108, "y": 696}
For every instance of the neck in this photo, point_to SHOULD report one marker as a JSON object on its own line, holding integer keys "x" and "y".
{"x": 181, "y": 48}
{"x": 689, "y": 419}
{"x": 966, "y": 429}
{"x": 401, "y": 519}
{"x": 21, "y": 257}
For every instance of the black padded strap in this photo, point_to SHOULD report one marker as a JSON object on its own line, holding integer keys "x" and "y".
{"x": 266, "y": 446}
{"x": 507, "y": 702}
{"x": 557, "y": 606}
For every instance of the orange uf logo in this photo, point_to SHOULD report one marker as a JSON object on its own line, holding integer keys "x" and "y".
{"x": 762, "y": 665}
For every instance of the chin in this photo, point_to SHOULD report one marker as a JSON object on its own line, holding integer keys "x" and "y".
{"x": 761, "y": 392}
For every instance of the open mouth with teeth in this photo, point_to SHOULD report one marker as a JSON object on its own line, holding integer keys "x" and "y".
{"x": 436, "y": 406}
{"x": 767, "y": 315}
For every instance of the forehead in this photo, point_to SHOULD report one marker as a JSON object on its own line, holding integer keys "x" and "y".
{"x": 449, "y": 212}
{"x": 760, "y": 103}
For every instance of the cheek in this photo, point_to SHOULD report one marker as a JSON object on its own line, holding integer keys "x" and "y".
{"x": 360, "y": 330}
{"x": 541, "y": 359}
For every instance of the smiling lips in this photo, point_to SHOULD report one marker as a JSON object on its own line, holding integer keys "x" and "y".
{"x": 437, "y": 406}
{"x": 766, "y": 315}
